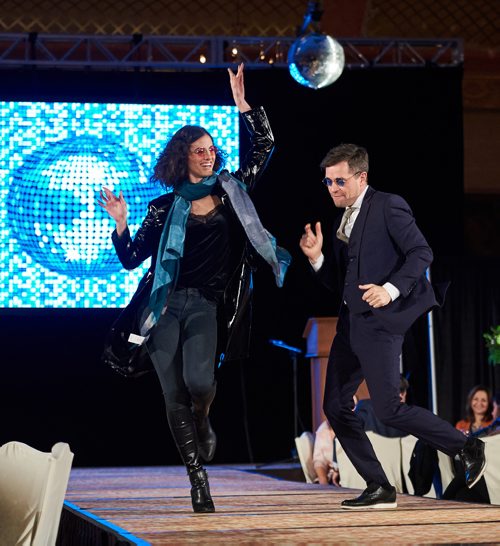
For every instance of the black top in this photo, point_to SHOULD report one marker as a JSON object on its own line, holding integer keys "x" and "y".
{"x": 212, "y": 249}
{"x": 237, "y": 293}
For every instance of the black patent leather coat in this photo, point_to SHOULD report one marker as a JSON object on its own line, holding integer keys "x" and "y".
{"x": 235, "y": 312}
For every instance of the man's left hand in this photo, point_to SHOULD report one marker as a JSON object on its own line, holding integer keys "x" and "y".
{"x": 375, "y": 296}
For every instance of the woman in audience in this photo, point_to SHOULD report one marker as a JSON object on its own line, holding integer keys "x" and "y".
{"x": 478, "y": 410}
{"x": 478, "y": 416}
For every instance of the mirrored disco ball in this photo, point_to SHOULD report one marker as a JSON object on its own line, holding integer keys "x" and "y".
{"x": 316, "y": 60}
{"x": 52, "y": 203}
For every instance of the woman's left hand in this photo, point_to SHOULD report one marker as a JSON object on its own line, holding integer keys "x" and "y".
{"x": 238, "y": 88}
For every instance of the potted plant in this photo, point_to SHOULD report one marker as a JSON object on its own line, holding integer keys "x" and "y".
{"x": 492, "y": 337}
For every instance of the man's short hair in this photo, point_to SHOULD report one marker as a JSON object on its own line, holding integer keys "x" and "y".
{"x": 356, "y": 157}
{"x": 404, "y": 385}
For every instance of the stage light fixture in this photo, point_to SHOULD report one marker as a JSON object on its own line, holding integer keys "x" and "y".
{"x": 315, "y": 59}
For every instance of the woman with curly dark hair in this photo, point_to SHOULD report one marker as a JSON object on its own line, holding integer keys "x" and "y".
{"x": 200, "y": 236}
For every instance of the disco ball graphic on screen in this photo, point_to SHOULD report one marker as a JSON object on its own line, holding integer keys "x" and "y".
{"x": 52, "y": 203}
{"x": 315, "y": 60}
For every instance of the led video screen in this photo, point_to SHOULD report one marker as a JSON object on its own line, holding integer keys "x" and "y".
{"x": 55, "y": 240}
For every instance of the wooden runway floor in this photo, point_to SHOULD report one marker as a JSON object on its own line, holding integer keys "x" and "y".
{"x": 152, "y": 506}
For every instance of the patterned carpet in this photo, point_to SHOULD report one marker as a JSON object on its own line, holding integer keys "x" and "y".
{"x": 153, "y": 505}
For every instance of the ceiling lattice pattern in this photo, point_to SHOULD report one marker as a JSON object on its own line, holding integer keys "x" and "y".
{"x": 477, "y": 22}
{"x": 159, "y": 17}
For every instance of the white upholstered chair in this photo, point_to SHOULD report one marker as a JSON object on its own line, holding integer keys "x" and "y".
{"x": 492, "y": 473}
{"x": 305, "y": 447}
{"x": 395, "y": 455}
{"x": 446, "y": 469}
{"x": 32, "y": 489}
{"x": 388, "y": 451}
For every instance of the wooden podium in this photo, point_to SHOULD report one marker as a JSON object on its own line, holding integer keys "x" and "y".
{"x": 319, "y": 332}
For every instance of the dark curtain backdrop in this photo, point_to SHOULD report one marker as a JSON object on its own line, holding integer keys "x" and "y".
{"x": 472, "y": 307}
{"x": 53, "y": 386}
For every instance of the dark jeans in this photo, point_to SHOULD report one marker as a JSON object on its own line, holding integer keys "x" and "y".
{"x": 182, "y": 347}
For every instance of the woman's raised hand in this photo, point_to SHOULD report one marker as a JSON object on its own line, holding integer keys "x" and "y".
{"x": 115, "y": 206}
{"x": 238, "y": 88}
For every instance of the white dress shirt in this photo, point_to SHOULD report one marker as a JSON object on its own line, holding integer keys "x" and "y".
{"x": 391, "y": 289}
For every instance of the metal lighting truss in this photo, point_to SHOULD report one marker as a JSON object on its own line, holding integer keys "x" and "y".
{"x": 139, "y": 52}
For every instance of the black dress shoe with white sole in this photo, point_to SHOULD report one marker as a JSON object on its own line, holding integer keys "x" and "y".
{"x": 373, "y": 497}
{"x": 474, "y": 461}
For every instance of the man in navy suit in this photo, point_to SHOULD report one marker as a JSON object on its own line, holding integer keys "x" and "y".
{"x": 381, "y": 259}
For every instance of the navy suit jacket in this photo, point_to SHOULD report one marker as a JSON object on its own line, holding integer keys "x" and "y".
{"x": 385, "y": 245}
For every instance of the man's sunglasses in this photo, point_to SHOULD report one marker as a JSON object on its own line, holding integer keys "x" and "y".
{"x": 339, "y": 181}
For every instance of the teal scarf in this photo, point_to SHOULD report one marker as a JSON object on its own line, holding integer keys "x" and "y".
{"x": 264, "y": 243}
{"x": 171, "y": 246}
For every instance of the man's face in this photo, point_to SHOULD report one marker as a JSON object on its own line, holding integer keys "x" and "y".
{"x": 346, "y": 195}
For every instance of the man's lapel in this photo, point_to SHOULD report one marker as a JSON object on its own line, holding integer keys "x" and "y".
{"x": 359, "y": 224}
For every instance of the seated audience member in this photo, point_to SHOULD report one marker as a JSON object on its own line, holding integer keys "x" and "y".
{"x": 478, "y": 410}
{"x": 324, "y": 469}
{"x": 424, "y": 461}
{"x": 316, "y": 456}
{"x": 324, "y": 466}
{"x": 315, "y": 453}
{"x": 494, "y": 428}
{"x": 364, "y": 410}
{"x": 481, "y": 420}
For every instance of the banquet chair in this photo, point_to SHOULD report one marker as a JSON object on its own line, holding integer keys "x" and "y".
{"x": 388, "y": 451}
{"x": 492, "y": 472}
{"x": 32, "y": 489}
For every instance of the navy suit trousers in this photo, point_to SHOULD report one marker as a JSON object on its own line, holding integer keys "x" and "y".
{"x": 364, "y": 349}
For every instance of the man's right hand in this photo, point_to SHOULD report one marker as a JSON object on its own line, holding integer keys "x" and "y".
{"x": 311, "y": 243}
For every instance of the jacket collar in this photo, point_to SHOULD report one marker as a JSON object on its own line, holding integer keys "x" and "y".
{"x": 359, "y": 224}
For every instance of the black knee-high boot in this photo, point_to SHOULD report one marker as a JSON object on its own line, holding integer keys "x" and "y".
{"x": 183, "y": 430}
{"x": 207, "y": 440}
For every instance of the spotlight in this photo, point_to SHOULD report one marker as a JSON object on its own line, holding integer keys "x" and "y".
{"x": 234, "y": 49}
{"x": 262, "y": 54}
